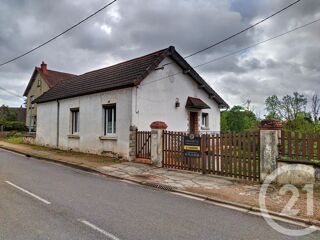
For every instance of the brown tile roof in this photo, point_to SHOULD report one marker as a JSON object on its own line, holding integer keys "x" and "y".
{"x": 51, "y": 77}
{"x": 122, "y": 75}
{"x": 54, "y": 77}
{"x": 196, "y": 103}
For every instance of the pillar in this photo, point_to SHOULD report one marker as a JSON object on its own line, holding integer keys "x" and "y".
{"x": 270, "y": 131}
{"x": 132, "y": 142}
{"x": 157, "y": 129}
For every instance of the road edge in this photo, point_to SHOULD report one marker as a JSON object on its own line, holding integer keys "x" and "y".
{"x": 144, "y": 183}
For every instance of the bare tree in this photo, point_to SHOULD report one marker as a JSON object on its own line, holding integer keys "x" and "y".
{"x": 315, "y": 107}
{"x": 248, "y": 105}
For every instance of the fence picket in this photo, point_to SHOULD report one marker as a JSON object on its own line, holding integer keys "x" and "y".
{"x": 229, "y": 154}
{"x": 254, "y": 157}
{"x": 304, "y": 147}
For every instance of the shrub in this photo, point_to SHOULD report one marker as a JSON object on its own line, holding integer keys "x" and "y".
{"x": 13, "y": 126}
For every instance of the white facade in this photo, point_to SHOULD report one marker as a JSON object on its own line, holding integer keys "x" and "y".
{"x": 152, "y": 100}
{"x": 155, "y": 98}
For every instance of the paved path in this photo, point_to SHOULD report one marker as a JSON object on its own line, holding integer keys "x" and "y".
{"x": 42, "y": 200}
{"x": 174, "y": 178}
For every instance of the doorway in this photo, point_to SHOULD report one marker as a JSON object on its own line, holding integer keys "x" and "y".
{"x": 193, "y": 122}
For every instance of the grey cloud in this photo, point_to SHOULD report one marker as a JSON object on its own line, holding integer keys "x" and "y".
{"x": 130, "y": 28}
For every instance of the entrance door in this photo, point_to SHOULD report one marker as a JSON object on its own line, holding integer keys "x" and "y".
{"x": 193, "y": 122}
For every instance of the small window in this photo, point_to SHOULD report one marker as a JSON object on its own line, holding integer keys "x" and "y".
{"x": 205, "y": 120}
{"x": 74, "y": 120}
{"x": 39, "y": 82}
{"x": 109, "y": 119}
{"x": 31, "y": 100}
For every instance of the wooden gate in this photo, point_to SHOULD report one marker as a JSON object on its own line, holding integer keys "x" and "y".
{"x": 234, "y": 155}
{"x": 143, "y": 144}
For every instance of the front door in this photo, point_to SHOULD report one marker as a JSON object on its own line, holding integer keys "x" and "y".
{"x": 193, "y": 121}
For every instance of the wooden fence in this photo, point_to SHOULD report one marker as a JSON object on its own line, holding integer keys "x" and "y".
{"x": 229, "y": 154}
{"x": 143, "y": 144}
{"x": 299, "y": 147}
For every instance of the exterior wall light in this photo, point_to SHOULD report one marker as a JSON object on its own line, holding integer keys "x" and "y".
{"x": 177, "y": 103}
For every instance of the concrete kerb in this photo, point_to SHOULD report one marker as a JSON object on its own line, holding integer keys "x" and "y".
{"x": 145, "y": 183}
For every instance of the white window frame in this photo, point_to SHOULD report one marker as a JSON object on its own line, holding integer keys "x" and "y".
{"x": 75, "y": 120}
{"x": 206, "y": 124}
{"x": 106, "y": 112}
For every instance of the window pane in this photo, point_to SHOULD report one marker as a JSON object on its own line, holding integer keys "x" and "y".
{"x": 110, "y": 119}
{"x": 114, "y": 120}
{"x": 77, "y": 122}
{"x": 74, "y": 121}
{"x": 205, "y": 119}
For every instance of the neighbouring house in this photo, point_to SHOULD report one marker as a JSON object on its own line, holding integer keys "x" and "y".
{"x": 93, "y": 112}
{"x": 42, "y": 79}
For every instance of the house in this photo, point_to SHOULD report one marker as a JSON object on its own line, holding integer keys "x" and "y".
{"x": 42, "y": 79}
{"x": 93, "y": 112}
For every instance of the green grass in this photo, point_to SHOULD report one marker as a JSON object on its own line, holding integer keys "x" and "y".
{"x": 15, "y": 140}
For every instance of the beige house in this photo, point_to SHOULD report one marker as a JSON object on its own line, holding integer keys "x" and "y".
{"x": 42, "y": 80}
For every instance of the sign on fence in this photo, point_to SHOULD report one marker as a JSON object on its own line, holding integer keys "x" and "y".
{"x": 192, "y": 146}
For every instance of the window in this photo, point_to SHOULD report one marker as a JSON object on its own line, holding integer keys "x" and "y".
{"x": 109, "y": 119}
{"x": 31, "y": 100}
{"x": 74, "y": 120}
{"x": 205, "y": 120}
{"x": 39, "y": 82}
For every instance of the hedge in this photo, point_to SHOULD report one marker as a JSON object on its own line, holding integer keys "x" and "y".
{"x": 13, "y": 126}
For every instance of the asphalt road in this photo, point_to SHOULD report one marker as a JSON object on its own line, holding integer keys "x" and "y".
{"x": 43, "y": 200}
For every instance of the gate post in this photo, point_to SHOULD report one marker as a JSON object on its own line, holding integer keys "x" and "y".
{"x": 203, "y": 153}
{"x": 270, "y": 131}
{"x": 132, "y": 142}
{"x": 156, "y": 142}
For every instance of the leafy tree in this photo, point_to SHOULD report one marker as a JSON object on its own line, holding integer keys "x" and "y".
{"x": 7, "y": 114}
{"x": 298, "y": 104}
{"x": 238, "y": 119}
{"x": 287, "y": 108}
{"x": 273, "y": 107}
{"x": 302, "y": 123}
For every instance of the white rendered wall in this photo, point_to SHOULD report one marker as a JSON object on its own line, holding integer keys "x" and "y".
{"x": 47, "y": 124}
{"x": 90, "y": 123}
{"x": 155, "y": 98}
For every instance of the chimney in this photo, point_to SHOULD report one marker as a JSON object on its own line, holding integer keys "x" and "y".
{"x": 44, "y": 67}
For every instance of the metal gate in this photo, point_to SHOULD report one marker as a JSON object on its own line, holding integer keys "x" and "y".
{"x": 143, "y": 144}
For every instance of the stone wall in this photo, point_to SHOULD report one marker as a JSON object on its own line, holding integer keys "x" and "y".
{"x": 29, "y": 139}
{"x": 296, "y": 174}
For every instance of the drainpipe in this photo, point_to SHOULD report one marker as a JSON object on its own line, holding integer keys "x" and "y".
{"x": 30, "y": 119}
{"x": 58, "y": 120}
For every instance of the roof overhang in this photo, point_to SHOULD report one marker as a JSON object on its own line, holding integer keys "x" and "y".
{"x": 187, "y": 69}
{"x": 196, "y": 103}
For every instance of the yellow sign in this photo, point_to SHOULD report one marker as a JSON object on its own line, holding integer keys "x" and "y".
{"x": 192, "y": 148}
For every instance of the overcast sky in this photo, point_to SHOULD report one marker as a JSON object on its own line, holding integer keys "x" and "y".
{"x": 131, "y": 28}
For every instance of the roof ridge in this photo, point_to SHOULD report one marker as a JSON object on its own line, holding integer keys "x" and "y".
{"x": 130, "y": 60}
{"x": 56, "y": 71}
